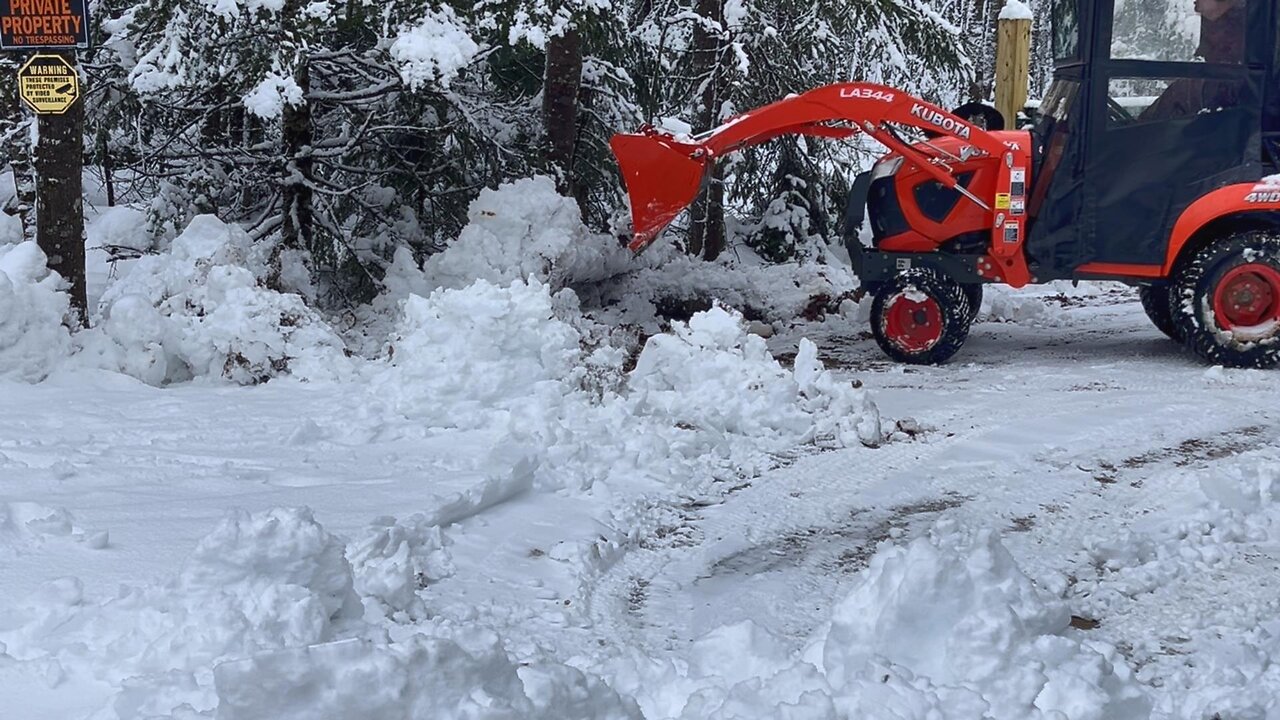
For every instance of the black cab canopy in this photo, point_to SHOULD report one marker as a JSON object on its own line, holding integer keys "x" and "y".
{"x": 1154, "y": 104}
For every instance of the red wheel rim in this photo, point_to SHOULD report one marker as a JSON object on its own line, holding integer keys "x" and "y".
{"x": 914, "y": 325}
{"x": 1248, "y": 298}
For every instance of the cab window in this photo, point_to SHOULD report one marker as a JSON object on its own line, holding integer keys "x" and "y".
{"x": 1179, "y": 31}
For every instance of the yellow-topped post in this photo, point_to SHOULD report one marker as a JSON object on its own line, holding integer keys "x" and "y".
{"x": 1013, "y": 60}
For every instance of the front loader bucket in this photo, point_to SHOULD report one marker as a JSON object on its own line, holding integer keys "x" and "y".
{"x": 662, "y": 175}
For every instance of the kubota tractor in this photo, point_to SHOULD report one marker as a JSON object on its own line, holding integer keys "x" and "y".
{"x": 1145, "y": 165}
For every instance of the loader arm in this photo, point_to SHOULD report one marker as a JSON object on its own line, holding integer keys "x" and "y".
{"x": 664, "y": 174}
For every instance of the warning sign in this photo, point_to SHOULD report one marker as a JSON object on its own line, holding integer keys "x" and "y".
{"x": 48, "y": 84}
{"x": 32, "y": 24}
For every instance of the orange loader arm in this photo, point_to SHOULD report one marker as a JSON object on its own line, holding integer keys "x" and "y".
{"x": 664, "y": 174}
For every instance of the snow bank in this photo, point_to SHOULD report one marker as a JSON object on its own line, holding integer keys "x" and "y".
{"x": 203, "y": 310}
{"x": 419, "y": 677}
{"x": 519, "y": 357}
{"x": 944, "y": 628}
{"x": 525, "y": 229}
{"x": 32, "y": 337}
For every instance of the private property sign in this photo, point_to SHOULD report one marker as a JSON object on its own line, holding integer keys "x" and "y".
{"x": 32, "y": 24}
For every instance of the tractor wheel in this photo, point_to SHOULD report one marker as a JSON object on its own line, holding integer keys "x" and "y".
{"x": 1155, "y": 301}
{"x": 973, "y": 293}
{"x": 920, "y": 317}
{"x": 1225, "y": 301}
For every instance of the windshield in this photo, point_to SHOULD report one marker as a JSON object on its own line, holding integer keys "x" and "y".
{"x": 1066, "y": 30}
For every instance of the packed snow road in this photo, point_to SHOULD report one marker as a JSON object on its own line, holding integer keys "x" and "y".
{"x": 1074, "y": 431}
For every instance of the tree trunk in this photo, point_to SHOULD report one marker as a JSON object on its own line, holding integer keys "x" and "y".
{"x": 59, "y": 158}
{"x": 298, "y": 230}
{"x": 23, "y": 204}
{"x": 15, "y": 146}
{"x": 561, "y": 84}
{"x": 707, "y": 235}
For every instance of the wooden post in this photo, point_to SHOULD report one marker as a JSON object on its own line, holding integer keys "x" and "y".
{"x": 1013, "y": 61}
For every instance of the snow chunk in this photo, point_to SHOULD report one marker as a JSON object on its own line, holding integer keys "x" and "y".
{"x": 1016, "y": 10}
{"x": 433, "y": 51}
{"x": 522, "y": 229}
{"x": 397, "y": 558}
{"x": 421, "y": 677}
{"x": 32, "y": 307}
{"x": 203, "y": 310}
{"x": 24, "y": 523}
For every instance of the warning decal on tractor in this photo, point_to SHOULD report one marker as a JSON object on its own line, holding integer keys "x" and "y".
{"x": 31, "y": 24}
{"x": 48, "y": 84}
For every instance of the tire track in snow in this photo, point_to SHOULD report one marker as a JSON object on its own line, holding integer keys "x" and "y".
{"x": 813, "y": 525}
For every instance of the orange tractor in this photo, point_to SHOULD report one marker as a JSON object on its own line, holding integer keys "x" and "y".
{"x": 1147, "y": 164}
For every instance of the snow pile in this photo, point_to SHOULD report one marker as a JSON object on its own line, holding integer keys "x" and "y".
{"x": 461, "y": 357}
{"x": 268, "y": 99}
{"x": 468, "y": 676}
{"x": 945, "y": 628}
{"x": 522, "y": 359}
{"x": 32, "y": 337}
{"x": 257, "y": 582}
{"x": 203, "y": 310}
{"x": 710, "y": 375}
{"x": 526, "y": 229}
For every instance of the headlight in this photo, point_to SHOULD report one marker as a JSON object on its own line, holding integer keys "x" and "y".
{"x": 886, "y": 167}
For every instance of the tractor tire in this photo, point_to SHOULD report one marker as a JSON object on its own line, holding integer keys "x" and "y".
{"x": 973, "y": 293}
{"x": 1155, "y": 301}
{"x": 920, "y": 317}
{"x": 1225, "y": 301}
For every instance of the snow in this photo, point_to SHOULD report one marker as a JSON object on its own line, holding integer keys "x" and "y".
{"x": 32, "y": 308}
{"x": 1016, "y": 10}
{"x": 268, "y": 99}
{"x": 535, "y": 500}
{"x": 422, "y": 676}
{"x": 522, "y": 229}
{"x": 434, "y": 51}
{"x": 203, "y": 310}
